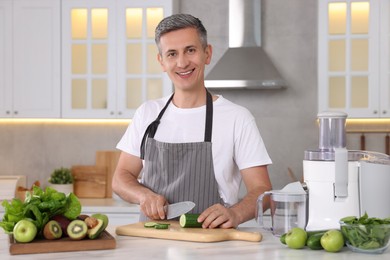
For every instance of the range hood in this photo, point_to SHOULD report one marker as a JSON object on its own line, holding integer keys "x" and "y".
{"x": 245, "y": 64}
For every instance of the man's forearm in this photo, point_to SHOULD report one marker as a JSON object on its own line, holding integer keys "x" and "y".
{"x": 246, "y": 208}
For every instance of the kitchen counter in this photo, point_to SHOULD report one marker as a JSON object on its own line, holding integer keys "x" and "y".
{"x": 147, "y": 248}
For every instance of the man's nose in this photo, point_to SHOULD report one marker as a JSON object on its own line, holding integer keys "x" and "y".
{"x": 182, "y": 61}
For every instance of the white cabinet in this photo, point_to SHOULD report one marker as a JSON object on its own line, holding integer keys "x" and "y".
{"x": 118, "y": 211}
{"x": 353, "y": 57}
{"x": 30, "y": 58}
{"x": 5, "y": 58}
{"x": 109, "y": 60}
{"x": 384, "y": 50}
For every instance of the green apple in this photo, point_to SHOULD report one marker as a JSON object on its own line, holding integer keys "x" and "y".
{"x": 332, "y": 240}
{"x": 24, "y": 231}
{"x": 296, "y": 238}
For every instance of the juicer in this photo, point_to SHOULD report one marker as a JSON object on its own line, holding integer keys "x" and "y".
{"x": 343, "y": 182}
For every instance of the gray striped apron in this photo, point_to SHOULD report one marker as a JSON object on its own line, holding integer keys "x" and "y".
{"x": 181, "y": 171}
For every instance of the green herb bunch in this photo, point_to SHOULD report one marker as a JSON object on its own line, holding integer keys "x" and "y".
{"x": 61, "y": 176}
{"x": 366, "y": 232}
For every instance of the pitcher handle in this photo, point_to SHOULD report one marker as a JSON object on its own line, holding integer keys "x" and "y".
{"x": 259, "y": 208}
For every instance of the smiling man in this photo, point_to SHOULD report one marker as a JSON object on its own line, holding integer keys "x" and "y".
{"x": 191, "y": 145}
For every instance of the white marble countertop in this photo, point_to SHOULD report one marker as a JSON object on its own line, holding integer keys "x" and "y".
{"x": 148, "y": 248}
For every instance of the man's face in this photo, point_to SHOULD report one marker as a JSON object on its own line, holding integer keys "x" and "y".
{"x": 184, "y": 58}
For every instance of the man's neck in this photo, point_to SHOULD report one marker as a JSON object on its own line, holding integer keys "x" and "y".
{"x": 190, "y": 99}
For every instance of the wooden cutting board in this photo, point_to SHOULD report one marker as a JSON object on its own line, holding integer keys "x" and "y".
{"x": 105, "y": 241}
{"x": 175, "y": 232}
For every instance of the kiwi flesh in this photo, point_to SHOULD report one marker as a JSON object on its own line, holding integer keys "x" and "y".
{"x": 52, "y": 230}
{"x": 77, "y": 229}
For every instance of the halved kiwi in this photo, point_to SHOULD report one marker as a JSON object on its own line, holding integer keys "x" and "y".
{"x": 77, "y": 229}
{"x": 52, "y": 230}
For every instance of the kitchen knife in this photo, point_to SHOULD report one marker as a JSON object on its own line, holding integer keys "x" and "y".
{"x": 177, "y": 209}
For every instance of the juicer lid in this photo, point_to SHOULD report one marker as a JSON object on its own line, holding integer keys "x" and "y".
{"x": 353, "y": 155}
{"x": 332, "y": 114}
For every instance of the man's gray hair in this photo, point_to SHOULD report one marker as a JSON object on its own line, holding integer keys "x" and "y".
{"x": 177, "y": 22}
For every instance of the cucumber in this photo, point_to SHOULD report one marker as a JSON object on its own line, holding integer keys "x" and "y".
{"x": 310, "y": 233}
{"x": 190, "y": 221}
{"x": 283, "y": 238}
{"x": 314, "y": 241}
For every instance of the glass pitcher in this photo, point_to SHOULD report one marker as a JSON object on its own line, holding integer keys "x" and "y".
{"x": 287, "y": 209}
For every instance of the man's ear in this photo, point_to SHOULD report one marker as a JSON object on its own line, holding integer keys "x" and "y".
{"x": 160, "y": 60}
{"x": 209, "y": 53}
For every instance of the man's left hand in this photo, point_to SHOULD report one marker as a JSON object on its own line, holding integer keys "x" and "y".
{"x": 219, "y": 216}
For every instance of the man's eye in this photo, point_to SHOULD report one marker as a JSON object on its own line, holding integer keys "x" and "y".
{"x": 171, "y": 54}
{"x": 191, "y": 50}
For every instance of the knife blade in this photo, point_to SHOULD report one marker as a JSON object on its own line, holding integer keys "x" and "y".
{"x": 176, "y": 209}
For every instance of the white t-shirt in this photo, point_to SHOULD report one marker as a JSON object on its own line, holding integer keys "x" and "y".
{"x": 236, "y": 141}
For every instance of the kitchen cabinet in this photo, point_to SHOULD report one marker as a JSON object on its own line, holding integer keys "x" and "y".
{"x": 30, "y": 58}
{"x": 109, "y": 59}
{"x": 353, "y": 57}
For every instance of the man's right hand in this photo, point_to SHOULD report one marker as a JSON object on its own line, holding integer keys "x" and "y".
{"x": 152, "y": 206}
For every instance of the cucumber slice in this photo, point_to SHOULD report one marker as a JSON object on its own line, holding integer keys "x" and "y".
{"x": 190, "y": 221}
{"x": 150, "y": 224}
{"x": 161, "y": 226}
{"x": 156, "y": 225}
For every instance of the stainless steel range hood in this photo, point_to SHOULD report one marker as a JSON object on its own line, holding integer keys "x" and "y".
{"x": 245, "y": 64}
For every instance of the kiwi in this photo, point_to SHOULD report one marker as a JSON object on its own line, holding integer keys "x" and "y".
{"x": 96, "y": 230}
{"x": 64, "y": 222}
{"x": 77, "y": 229}
{"x": 52, "y": 230}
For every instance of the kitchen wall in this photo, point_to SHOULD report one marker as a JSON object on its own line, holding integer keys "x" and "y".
{"x": 286, "y": 118}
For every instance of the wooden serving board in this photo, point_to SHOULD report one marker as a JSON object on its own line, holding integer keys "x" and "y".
{"x": 105, "y": 241}
{"x": 175, "y": 232}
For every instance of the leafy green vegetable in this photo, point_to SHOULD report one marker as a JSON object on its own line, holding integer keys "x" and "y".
{"x": 40, "y": 206}
{"x": 366, "y": 232}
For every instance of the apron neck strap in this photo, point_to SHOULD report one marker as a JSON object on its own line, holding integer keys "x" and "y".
{"x": 209, "y": 118}
{"x": 152, "y": 128}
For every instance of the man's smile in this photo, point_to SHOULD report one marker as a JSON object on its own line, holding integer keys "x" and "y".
{"x": 185, "y": 73}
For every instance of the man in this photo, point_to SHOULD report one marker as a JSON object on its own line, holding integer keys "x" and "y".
{"x": 192, "y": 145}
